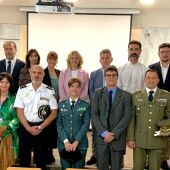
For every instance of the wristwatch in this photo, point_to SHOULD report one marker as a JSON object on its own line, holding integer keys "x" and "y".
{"x": 40, "y": 128}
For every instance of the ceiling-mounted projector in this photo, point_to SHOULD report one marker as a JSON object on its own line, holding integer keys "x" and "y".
{"x": 54, "y": 7}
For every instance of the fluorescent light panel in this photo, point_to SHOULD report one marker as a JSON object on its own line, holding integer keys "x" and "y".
{"x": 147, "y": 2}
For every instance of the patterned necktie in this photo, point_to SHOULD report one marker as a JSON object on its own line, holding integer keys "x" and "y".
{"x": 9, "y": 67}
{"x": 150, "y": 97}
{"x": 72, "y": 104}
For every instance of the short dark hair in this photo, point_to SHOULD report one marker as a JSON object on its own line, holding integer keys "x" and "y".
{"x": 153, "y": 70}
{"x": 74, "y": 80}
{"x": 111, "y": 68}
{"x": 29, "y": 54}
{"x": 164, "y": 45}
{"x": 135, "y": 42}
{"x": 10, "y": 80}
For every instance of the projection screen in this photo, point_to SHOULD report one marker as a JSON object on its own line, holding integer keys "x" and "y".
{"x": 88, "y": 34}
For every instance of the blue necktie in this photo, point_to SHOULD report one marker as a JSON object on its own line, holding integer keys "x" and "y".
{"x": 150, "y": 97}
{"x": 110, "y": 99}
{"x": 9, "y": 67}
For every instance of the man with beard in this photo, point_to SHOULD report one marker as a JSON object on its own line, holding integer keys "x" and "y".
{"x": 163, "y": 69}
{"x": 131, "y": 74}
{"x": 32, "y": 131}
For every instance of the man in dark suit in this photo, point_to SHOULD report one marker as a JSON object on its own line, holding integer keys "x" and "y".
{"x": 97, "y": 81}
{"x": 111, "y": 112}
{"x": 10, "y": 63}
{"x": 163, "y": 69}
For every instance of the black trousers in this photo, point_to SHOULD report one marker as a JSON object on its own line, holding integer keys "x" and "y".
{"x": 27, "y": 143}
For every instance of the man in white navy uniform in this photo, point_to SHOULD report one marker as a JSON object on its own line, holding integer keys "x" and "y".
{"x": 32, "y": 126}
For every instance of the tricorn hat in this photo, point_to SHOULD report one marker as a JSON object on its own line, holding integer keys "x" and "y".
{"x": 164, "y": 127}
{"x": 44, "y": 111}
{"x": 71, "y": 156}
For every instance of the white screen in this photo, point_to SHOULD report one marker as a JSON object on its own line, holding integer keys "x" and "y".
{"x": 88, "y": 34}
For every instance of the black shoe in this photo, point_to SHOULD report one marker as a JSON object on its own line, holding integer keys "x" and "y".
{"x": 146, "y": 167}
{"x": 165, "y": 166}
{"x": 91, "y": 161}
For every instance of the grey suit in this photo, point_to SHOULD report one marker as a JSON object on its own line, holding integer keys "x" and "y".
{"x": 119, "y": 118}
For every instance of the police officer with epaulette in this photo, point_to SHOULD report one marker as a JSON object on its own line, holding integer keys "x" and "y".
{"x": 151, "y": 105}
{"x": 36, "y": 109}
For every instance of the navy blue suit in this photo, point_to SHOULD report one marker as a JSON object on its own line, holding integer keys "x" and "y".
{"x": 162, "y": 85}
{"x": 16, "y": 71}
{"x": 96, "y": 81}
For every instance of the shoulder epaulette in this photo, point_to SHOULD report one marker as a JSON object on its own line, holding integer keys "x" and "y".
{"x": 48, "y": 87}
{"x": 85, "y": 100}
{"x": 23, "y": 86}
{"x": 165, "y": 91}
{"x": 137, "y": 91}
{"x": 62, "y": 100}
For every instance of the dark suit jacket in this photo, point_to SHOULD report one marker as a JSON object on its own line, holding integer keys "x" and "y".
{"x": 120, "y": 116}
{"x": 161, "y": 85}
{"x": 16, "y": 71}
{"x": 46, "y": 79}
{"x": 96, "y": 81}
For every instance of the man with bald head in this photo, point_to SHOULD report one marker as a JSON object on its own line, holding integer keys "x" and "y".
{"x": 33, "y": 122}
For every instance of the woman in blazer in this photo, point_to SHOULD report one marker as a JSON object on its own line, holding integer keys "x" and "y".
{"x": 51, "y": 79}
{"x": 74, "y": 64}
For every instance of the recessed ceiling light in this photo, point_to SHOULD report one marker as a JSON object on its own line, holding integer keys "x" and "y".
{"x": 147, "y": 2}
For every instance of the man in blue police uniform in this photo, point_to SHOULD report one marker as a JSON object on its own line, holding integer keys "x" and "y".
{"x": 30, "y": 98}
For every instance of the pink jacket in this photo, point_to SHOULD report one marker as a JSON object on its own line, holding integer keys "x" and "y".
{"x": 65, "y": 76}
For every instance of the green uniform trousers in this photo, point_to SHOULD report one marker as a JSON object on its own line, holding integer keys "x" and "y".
{"x": 140, "y": 156}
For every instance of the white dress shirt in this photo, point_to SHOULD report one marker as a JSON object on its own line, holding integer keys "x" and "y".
{"x": 131, "y": 77}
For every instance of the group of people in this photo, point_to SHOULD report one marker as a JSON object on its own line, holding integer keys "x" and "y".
{"x": 42, "y": 109}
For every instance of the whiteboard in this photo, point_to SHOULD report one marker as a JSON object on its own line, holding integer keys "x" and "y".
{"x": 88, "y": 34}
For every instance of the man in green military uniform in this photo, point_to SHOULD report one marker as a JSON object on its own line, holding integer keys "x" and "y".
{"x": 150, "y": 106}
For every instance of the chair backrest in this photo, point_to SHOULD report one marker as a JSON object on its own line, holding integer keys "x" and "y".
{"x": 20, "y": 168}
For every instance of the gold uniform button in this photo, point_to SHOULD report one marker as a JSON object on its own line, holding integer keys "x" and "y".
{"x": 149, "y": 120}
{"x": 150, "y": 105}
{"x": 149, "y": 127}
{"x": 150, "y": 113}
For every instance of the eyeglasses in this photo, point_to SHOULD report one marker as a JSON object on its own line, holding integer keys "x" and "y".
{"x": 111, "y": 75}
{"x": 162, "y": 52}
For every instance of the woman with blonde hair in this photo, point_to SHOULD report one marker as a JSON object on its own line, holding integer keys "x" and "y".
{"x": 74, "y": 70}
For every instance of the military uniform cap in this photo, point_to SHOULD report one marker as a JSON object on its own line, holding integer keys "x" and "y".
{"x": 164, "y": 127}
{"x": 44, "y": 111}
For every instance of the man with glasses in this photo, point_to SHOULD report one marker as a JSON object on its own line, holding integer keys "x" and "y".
{"x": 163, "y": 69}
{"x": 111, "y": 111}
